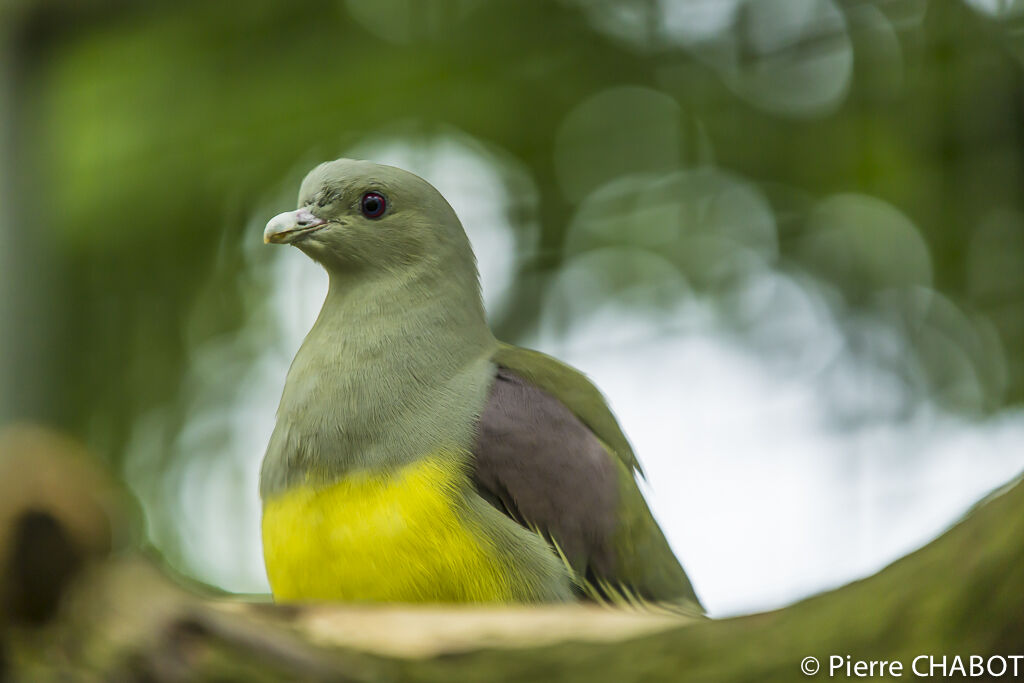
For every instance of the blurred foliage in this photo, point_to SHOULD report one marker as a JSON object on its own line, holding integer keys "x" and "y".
{"x": 870, "y": 150}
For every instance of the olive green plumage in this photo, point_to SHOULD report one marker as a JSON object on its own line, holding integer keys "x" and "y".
{"x": 400, "y": 383}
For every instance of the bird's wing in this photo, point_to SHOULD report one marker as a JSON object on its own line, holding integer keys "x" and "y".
{"x": 538, "y": 462}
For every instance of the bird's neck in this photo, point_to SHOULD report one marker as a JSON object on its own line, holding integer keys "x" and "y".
{"x": 396, "y": 368}
{"x": 413, "y": 309}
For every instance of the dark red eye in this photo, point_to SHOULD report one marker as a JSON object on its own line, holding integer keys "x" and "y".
{"x": 373, "y": 205}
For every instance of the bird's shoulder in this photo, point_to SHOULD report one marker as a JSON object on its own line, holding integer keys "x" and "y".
{"x": 572, "y": 389}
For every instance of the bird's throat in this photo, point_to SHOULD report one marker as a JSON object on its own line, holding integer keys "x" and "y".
{"x": 394, "y": 368}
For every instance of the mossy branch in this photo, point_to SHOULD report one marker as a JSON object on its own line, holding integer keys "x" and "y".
{"x": 123, "y": 617}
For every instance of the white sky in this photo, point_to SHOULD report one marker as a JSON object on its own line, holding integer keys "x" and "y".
{"x": 763, "y": 500}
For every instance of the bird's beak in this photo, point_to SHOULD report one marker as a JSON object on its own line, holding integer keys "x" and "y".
{"x": 287, "y": 227}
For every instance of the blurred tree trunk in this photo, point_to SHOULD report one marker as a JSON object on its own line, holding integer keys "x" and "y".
{"x": 10, "y": 333}
{"x": 27, "y": 309}
{"x": 31, "y": 279}
{"x": 124, "y": 618}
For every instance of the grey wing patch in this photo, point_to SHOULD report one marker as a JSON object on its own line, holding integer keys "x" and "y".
{"x": 538, "y": 463}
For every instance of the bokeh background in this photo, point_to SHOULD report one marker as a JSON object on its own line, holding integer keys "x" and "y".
{"x": 785, "y": 237}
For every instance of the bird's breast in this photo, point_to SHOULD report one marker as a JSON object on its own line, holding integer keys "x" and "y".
{"x": 382, "y": 537}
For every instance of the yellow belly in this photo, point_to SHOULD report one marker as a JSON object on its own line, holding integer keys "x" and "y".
{"x": 398, "y": 538}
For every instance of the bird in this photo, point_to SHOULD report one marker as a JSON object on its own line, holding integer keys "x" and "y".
{"x": 417, "y": 459}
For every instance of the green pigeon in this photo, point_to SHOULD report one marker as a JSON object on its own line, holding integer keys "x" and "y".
{"x": 415, "y": 457}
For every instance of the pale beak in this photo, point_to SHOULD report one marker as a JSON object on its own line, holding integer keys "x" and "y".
{"x": 290, "y": 226}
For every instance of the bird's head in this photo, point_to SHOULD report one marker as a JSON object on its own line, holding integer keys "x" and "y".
{"x": 357, "y": 215}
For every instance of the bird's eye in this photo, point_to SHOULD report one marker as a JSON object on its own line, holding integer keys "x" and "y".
{"x": 373, "y": 205}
